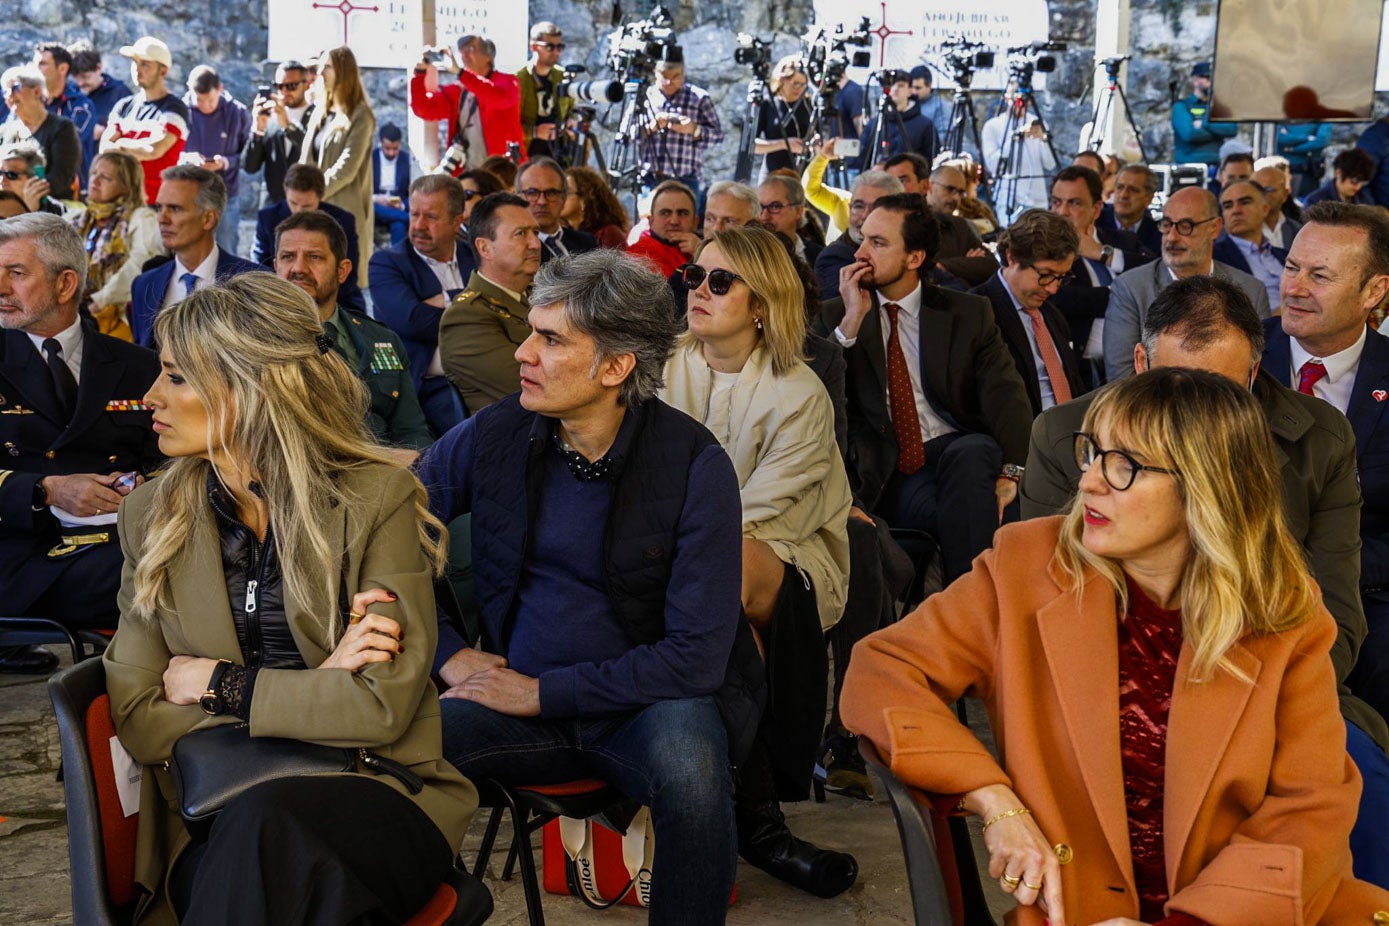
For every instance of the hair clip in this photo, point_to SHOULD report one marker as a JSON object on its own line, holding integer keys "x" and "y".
{"x": 324, "y": 345}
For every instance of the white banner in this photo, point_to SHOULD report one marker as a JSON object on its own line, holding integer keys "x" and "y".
{"x": 506, "y": 24}
{"x": 909, "y": 32}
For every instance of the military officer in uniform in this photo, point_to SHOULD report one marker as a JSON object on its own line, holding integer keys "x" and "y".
{"x": 75, "y": 437}
{"x": 311, "y": 252}
{"x": 484, "y": 325}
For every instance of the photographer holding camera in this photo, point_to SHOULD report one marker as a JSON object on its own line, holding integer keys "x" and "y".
{"x": 682, "y": 123}
{"x": 483, "y": 109}
{"x": 544, "y": 108}
{"x": 279, "y": 113}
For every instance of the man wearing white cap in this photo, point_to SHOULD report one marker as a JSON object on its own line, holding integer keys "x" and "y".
{"x": 152, "y": 124}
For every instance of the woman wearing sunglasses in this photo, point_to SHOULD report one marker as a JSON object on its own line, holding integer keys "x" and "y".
{"x": 739, "y": 370}
{"x": 1155, "y": 667}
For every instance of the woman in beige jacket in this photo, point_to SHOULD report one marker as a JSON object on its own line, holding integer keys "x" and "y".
{"x": 338, "y": 140}
{"x": 739, "y": 371}
{"x": 240, "y": 558}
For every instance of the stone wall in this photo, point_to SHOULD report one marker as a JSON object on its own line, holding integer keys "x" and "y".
{"x": 1167, "y": 37}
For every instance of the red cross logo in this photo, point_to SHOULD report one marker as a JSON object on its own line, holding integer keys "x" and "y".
{"x": 883, "y": 33}
{"x": 347, "y": 6}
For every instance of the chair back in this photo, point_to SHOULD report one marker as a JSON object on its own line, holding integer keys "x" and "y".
{"x": 101, "y": 839}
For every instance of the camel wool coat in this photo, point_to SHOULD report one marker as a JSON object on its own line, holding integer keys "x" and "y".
{"x": 391, "y": 708}
{"x": 345, "y": 159}
{"x": 1260, "y": 794}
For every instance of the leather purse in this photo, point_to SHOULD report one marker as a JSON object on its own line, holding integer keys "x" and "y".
{"x": 212, "y": 767}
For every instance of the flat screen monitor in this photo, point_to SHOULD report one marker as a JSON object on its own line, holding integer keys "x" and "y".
{"x": 1295, "y": 60}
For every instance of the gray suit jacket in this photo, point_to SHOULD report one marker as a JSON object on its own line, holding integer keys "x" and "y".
{"x": 1287, "y": 233}
{"x": 1134, "y": 290}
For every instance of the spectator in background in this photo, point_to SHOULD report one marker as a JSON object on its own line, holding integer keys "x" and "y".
{"x": 498, "y": 94}
{"x": 1352, "y": 172}
{"x": 1245, "y": 244}
{"x": 543, "y": 110}
{"x": 476, "y": 184}
{"x": 66, "y": 99}
{"x": 670, "y": 241}
{"x": 390, "y": 174}
{"x": 338, "y": 138}
{"x": 730, "y": 205}
{"x": 782, "y": 202}
{"x": 20, "y": 164}
{"x": 31, "y": 120}
{"x": 848, "y": 108}
{"x": 786, "y": 117}
{"x": 933, "y": 105}
{"x": 120, "y": 234}
{"x": 456, "y": 107}
{"x": 503, "y": 168}
{"x": 304, "y": 187}
{"x": 11, "y": 205}
{"x": 593, "y": 207}
{"x": 686, "y": 123}
{"x": 218, "y": 129}
{"x": 1303, "y": 144}
{"x": 277, "y": 142}
{"x": 1281, "y": 228}
{"x": 1234, "y": 167}
{"x": 542, "y": 183}
{"x": 1195, "y": 138}
{"x": 1134, "y": 188}
{"x": 152, "y": 124}
{"x": 102, "y": 89}
{"x": 904, "y": 128}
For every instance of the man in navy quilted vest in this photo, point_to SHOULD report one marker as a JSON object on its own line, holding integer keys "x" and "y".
{"x": 606, "y": 545}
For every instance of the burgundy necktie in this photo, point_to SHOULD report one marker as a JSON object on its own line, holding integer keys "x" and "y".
{"x": 1312, "y": 371}
{"x": 901, "y": 401}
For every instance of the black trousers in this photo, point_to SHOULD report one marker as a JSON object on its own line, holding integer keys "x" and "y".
{"x": 322, "y": 850}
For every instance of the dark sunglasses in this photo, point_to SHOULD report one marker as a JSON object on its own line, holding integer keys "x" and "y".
{"x": 289, "y": 85}
{"x": 469, "y": 194}
{"x": 552, "y": 46}
{"x": 12, "y": 175}
{"x": 720, "y": 281}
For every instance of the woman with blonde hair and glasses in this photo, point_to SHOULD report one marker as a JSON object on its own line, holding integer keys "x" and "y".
{"x": 739, "y": 370}
{"x": 120, "y": 233}
{"x": 249, "y": 563}
{"x": 338, "y": 140}
{"x": 1155, "y": 665}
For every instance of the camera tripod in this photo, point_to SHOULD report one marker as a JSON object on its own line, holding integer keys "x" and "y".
{"x": 879, "y": 142}
{"x": 1096, "y": 138}
{"x": 826, "y": 122}
{"x": 747, "y": 152}
{"x": 626, "y": 165}
{"x": 1007, "y": 171}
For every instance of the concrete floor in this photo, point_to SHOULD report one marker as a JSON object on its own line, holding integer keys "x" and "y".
{"x": 34, "y": 887}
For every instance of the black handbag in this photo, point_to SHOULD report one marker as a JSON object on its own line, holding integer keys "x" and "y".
{"x": 212, "y": 767}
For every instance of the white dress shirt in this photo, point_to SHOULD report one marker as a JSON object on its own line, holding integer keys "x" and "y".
{"x": 70, "y": 339}
{"x": 206, "y": 273}
{"x": 1043, "y": 380}
{"x": 1341, "y": 367}
{"x": 451, "y": 279}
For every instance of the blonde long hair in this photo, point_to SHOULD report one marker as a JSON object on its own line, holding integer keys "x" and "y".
{"x": 756, "y": 255}
{"x": 292, "y": 416}
{"x": 1246, "y": 574}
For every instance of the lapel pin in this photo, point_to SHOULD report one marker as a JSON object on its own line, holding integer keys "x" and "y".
{"x": 1380, "y": 395}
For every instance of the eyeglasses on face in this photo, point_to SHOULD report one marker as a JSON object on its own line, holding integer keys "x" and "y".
{"x": 12, "y": 174}
{"x": 551, "y": 46}
{"x": 533, "y": 195}
{"x": 720, "y": 281}
{"x": 1118, "y": 467}
{"x": 288, "y": 85}
{"x": 1046, "y": 279}
{"x": 775, "y": 208}
{"x": 469, "y": 194}
{"x": 1184, "y": 227}
{"x": 957, "y": 190}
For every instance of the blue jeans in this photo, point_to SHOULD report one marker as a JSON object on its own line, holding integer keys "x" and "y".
{"x": 397, "y": 219}
{"x": 671, "y": 756}
{"x": 1369, "y": 838}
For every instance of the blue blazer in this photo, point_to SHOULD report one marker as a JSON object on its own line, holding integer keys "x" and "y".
{"x": 1148, "y": 233}
{"x": 400, "y": 283}
{"x": 402, "y": 175}
{"x": 1369, "y": 397}
{"x": 1227, "y": 252}
{"x": 147, "y": 292}
{"x": 263, "y": 252}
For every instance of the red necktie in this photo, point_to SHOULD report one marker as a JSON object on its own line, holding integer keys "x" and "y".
{"x": 1312, "y": 371}
{"x": 901, "y": 401}
{"x": 1060, "y": 386}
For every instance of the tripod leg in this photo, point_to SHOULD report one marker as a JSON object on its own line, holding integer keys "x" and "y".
{"x": 1128, "y": 116}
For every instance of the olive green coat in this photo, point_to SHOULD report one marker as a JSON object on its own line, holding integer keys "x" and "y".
{"x": 390, "y": 708}
{"x": 478, "y": 337}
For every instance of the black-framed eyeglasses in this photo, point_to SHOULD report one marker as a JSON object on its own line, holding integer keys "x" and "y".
{"x": 533, "y": 195}
{"x": 1184, "y": 227}
{"x": 720, "y": 280}
{"x": 949, "y": 188}
{"x": 776, "y": 207}
{"x": 1118, "y": 467}
{"x": 1046, "y": 279}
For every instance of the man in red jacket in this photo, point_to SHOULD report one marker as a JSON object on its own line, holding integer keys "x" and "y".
{"x": 498, "y": 94}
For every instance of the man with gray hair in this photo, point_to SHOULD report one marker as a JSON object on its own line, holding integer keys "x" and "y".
{"x": 498, "y": 93}
{"x": 730, "y": 204}
{"x": 782, "y": 202}
{"x": 20, "y": 166}
{"x": 75, "y": 432}
{"x": 839, "y": 253}
{"x": 190, "y": 204}
{"x": 1134, "y": 188}
{"x": 626, "y": 660}
{"x": 30, "y": 120}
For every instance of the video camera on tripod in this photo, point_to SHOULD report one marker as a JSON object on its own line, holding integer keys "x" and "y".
{"x": 637, "y": 46}
{"x": 1023, "y": 60}
{"x": 754, "y": 53}
{"x": 962, "y": 57}
{"x": 827, "y": 55}
{"x": 1112, "y": 65}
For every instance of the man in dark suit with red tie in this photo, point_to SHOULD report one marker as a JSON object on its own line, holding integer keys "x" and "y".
{"x": 1039, "y": 252}
{"x": 938, "y": 416}
{"x": 74, "y": 433}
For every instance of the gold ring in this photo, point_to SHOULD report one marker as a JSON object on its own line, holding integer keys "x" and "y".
{"x": 354, "y": 616}
{"x": 1032, "y": 887}
{"x": 1011, "y": 882}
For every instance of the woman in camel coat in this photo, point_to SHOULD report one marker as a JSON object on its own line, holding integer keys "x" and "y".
{"x": 1156, "y": 670}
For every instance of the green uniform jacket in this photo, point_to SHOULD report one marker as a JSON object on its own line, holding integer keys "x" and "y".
{"x": 1321, "y": 499}
{"x": 395, "y": 416}
{"x": 390, "y": 708}
{"x": 478, "y": 337}
{"x": 530, "y": 105}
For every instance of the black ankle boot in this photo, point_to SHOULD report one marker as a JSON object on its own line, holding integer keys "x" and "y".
{"x": 765, "y": 842}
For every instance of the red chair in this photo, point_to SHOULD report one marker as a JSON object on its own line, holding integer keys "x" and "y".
{"x": 531, "y": 807}
{"x": 101, "y": 839}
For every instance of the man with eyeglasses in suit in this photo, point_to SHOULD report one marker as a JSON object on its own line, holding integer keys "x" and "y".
{"x": 544, "y": 186}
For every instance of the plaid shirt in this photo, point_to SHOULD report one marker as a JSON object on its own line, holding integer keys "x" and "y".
{"x": 676, "y": 153}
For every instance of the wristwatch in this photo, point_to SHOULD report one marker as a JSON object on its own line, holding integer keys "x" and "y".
{"x": 1106, "y": 252}
{"x": 1012, "y": 471}
{"x": 211, "y": 701}
{"x": 40, "y": 500}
